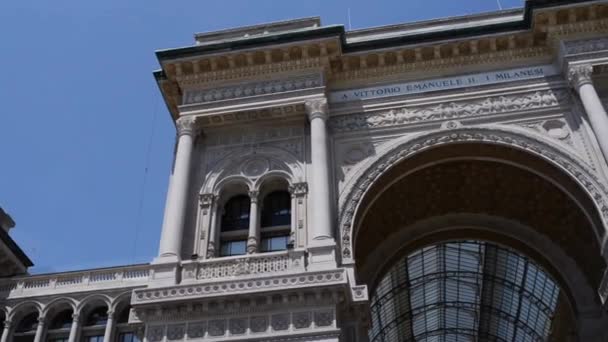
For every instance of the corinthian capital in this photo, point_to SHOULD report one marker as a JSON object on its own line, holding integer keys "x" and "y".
{"x": 185, "y": 125}
{"x": 316, "y": 108}
{"x": 579, "y": 75}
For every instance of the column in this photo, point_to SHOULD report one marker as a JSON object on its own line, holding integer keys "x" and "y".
{"x": 6, "y": 332}
{"x": 319, "y": 185}
{"x": 173, "y": 222}
{"x": 216, "y": 221}
{"x": 253, "y": 238}
{"x": 209, "y": 213}
{"x": 40, "y": 329}
{"x": 298, "y": 192}
{"x": 107, "y": 336}
{"x": 74, "y": 328}
{"x": 579, "y": 77}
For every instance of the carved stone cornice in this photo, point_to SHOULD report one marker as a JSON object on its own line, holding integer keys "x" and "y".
{"x": 586, "y": 45}
{"x": 316, "y": 108}
{"x": 243, "y": 90}
{"x": 579, "y": 75}
{"x": 240, "y": 286}
{"x": 450, "y": 111}
{"x": 185, "y": 125}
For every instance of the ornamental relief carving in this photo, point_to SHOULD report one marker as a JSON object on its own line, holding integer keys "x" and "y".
{"x": 557, "y": 129}
{"x": 259, "y": 135}
{"x": 482, "y": 134}
{"x": 450, "y": 111}
{"x": 251, "y": 89}
{"x": 587, "y": 45}
{"x": 294, "y": 146}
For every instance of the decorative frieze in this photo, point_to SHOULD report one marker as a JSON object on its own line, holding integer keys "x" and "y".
{"x": 301, "y": 320}
{"x": 240, "y": 137}
{"x": 243, "y": 286}
{"x": 450, "y": 111}
{"x": 251, "y": 89}
{"x": 554, "y": 128}
{"x": 587, "y": 45}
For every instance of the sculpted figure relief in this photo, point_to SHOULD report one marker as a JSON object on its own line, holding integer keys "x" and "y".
{"x": 451, "y": 110}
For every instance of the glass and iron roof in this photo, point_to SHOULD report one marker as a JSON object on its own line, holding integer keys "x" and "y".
{"x": 463, "y": 291}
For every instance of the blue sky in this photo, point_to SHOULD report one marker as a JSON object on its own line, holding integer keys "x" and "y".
{"x": 86, "y": 140}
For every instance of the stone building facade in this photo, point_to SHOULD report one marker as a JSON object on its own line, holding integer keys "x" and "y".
{"x": 436, "y": 181}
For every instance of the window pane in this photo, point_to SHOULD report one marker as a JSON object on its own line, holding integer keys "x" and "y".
{"x": 276, "y": 209}
{"x": 275, "y": 243}
{"x": 236, "y": 214}
{"x": 128, "y": 337}
{"x": 238, "y": 247}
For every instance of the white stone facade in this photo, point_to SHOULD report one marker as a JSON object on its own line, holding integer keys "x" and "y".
{"x": 323, "y": 115}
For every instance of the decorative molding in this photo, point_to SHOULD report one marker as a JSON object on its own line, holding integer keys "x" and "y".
{"x": 252, "y": 247}
{"x": 554, "y": 128}
{"x": 450, "y": 111}
{"x": 299, "y": 189}
{"x": 586, "y": 45}
{"x": 249, "y": 89}
{"x": 255, "y": 168}
{"x": 245, "y": 137}
{"x": 240, "y": 117}
{"x": 258, "y": 264}
{"x": 206, "y": 200}
{"x": 265, "y": 325}
{"x": 242, "y": 286}
{"x": 316, "y": 108}
{"x": 185, "y": 125}
{"x": 481, "y": 134}
{"x": 579, "y": 75}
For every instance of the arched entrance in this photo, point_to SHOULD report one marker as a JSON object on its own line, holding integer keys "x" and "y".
{"x": 485, "y": 193}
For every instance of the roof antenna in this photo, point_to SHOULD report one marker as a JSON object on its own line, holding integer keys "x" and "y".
{"x": 350, "y": 26}
{"x": 499, "y": 5}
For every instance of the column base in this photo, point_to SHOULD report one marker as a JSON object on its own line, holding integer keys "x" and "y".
{"x": 165, "y": 271}
{"x": 322, "y": 255}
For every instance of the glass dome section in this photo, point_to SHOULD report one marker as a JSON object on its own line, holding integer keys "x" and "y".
{"x": 463, "y": 291}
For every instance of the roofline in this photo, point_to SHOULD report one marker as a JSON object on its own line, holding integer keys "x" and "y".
{"x": 270, "y": 39}
{"x": 17, "y": 251}
{"x": 325, "y": 31}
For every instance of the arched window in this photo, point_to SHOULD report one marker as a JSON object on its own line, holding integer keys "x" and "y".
{"x": 275, "y": 221}
{"x": 59, "y": 327}
{"x": 26, "y": 329}
{"x": 124, "y": 331}
{"x": 63, "y": 320}
{"x": 94, "y": 324}
{"x": 234, "y": 226}
{"x": 276, "y": 209}
{"x": 236, "y": 213}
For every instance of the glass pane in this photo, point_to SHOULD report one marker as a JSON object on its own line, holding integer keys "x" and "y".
{"x": 238, "y": 247}
{"x": 276, "y": 209}
{"x": 463, "y": 291}
{"x": 128, "y": 337}
{"x": 275, "y": 243}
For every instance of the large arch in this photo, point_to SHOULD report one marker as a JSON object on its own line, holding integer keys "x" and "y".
{"x": 502, "y": 174}
{"x": 371, "y": 173}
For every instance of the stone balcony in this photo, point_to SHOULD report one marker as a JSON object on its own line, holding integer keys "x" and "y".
{"x": 291, "y": 261}
{"x": 78, "y": 281}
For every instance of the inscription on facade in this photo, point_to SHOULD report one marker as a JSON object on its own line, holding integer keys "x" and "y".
{"x": 423, "y": 86}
